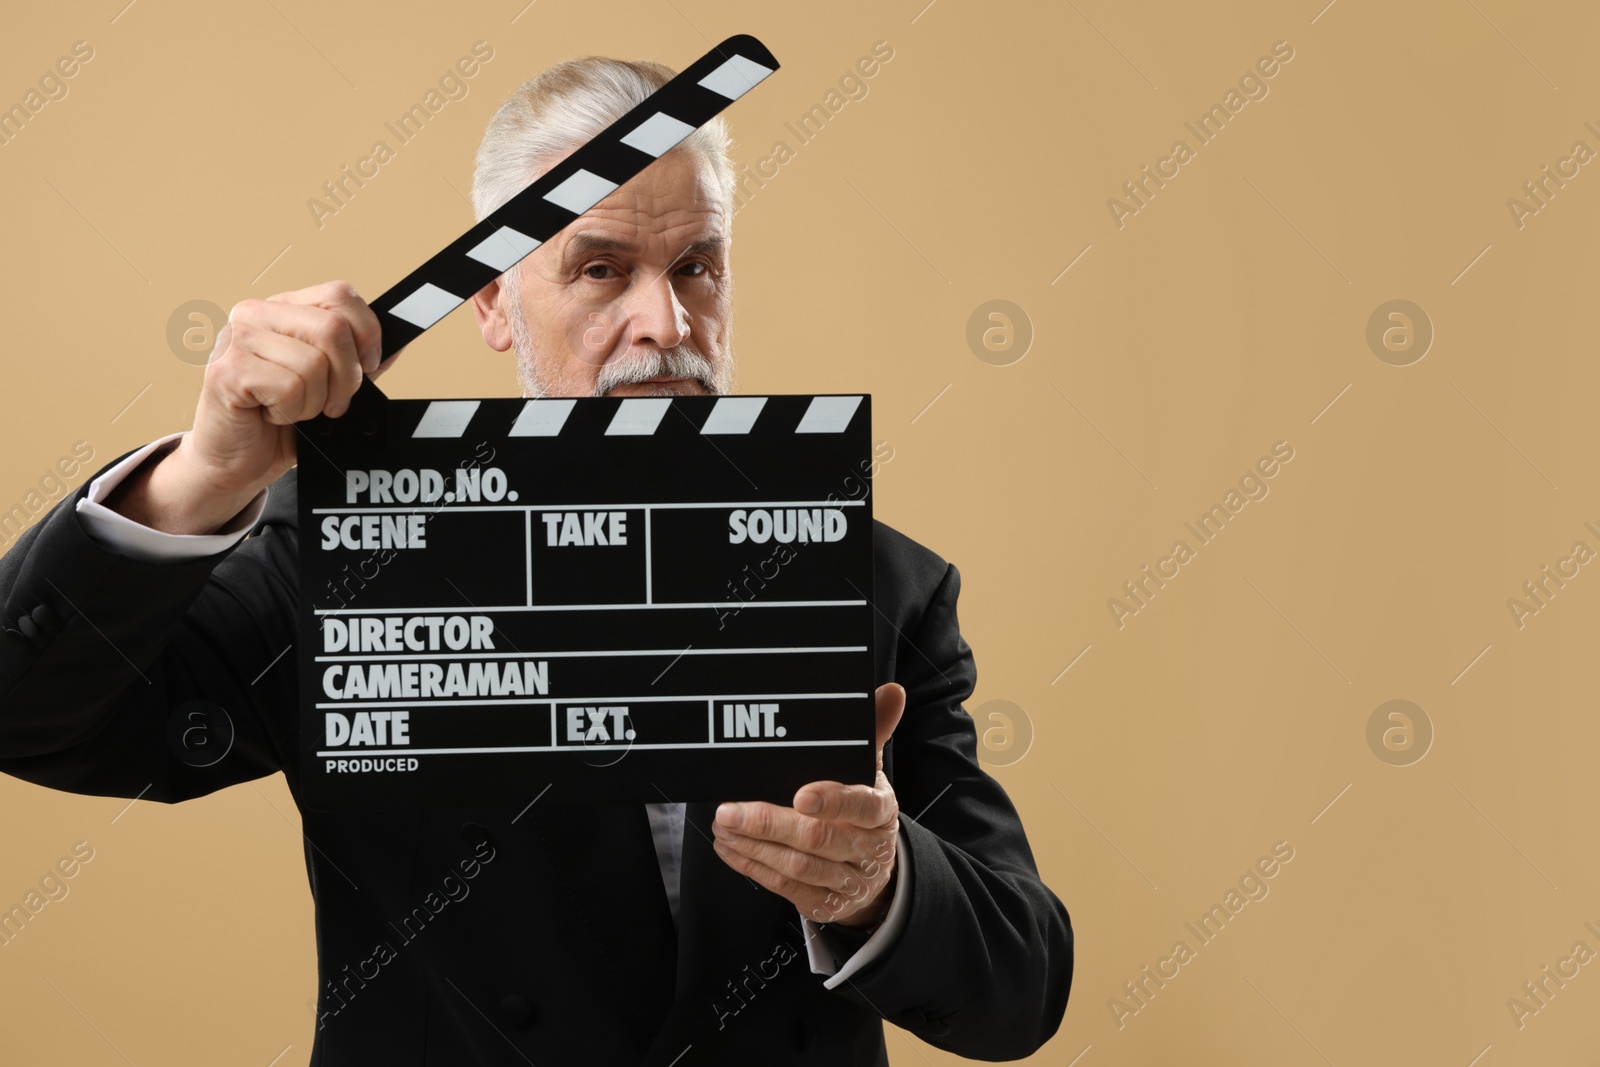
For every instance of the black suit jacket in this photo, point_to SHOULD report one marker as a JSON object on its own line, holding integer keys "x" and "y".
{"x": 493, "y": 936}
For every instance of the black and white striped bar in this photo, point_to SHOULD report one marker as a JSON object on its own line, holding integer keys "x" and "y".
{"x": 570, "y": 188}
{"x": 547, "y": 417}
{"x": 633, "y": 598}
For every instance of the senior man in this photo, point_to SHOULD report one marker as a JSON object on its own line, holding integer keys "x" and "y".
{"x": 612, "y": 934}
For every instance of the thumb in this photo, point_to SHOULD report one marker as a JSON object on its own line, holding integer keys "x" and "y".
{"x": 891, "y": 704}
{"x": 220, "y": 343}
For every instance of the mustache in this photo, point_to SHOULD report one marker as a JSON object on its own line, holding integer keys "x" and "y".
{"x": 679, "y": 362}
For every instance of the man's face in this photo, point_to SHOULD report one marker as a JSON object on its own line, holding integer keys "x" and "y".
{"x": 631, "y": 299}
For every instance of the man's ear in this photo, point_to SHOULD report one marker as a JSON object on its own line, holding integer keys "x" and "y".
{"x": 488, "y": 308}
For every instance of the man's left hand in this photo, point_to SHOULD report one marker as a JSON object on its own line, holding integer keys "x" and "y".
{"x": 832, "y": 855}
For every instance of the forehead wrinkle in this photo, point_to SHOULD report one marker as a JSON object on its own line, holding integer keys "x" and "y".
{"x": 591, "y": 242}
{"x": 652, "y": 205}
{"x": 588, "y": 242}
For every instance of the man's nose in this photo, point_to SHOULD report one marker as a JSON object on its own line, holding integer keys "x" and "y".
{"x": 654, "y": 312}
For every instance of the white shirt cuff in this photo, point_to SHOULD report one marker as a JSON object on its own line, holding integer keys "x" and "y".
{"x": 824, "y": 953}
{"x": 140, "y": 542}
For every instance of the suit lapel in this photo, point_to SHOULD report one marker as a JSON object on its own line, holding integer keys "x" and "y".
{"x": 725, "y": 922}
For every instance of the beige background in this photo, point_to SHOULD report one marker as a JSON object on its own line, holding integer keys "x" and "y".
{"x": 1227, "y": 314}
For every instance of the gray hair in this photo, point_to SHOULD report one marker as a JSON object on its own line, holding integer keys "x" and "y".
{"x": 555, "y": 112}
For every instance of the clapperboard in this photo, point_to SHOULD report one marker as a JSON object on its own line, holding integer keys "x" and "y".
{"x": 625, "y": 598}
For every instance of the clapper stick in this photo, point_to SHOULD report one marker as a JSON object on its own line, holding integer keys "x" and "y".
{"x": 570, "y": 188}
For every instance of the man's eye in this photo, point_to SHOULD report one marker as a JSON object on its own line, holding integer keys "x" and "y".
{"x": 594, "y": 267}
{"x": 695, "y": 263}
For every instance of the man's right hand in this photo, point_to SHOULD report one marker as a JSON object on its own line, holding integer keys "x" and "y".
{"x": 277, "y": 362}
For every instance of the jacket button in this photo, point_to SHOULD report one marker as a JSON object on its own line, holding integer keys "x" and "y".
{"x": 45, "y": 616}
{"x": 29, "y": 628}
{"x": 474, "y": 833}
{"x": 516, "y": 1009}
